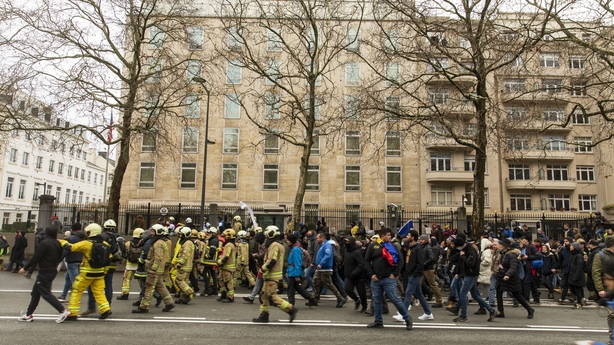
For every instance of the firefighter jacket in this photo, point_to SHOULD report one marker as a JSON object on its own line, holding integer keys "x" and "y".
{"x": 227, "y": 261}
{"x": 85, "y": 247}
{"x": 211, "y": 251}
{"x": 158, "y": 255}
{"x": 273, "y": 262}
{"x": 184, "y": 259}
{"x": 243, "y": 253}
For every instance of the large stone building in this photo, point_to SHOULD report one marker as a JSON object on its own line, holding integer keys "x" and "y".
{"x": 537, "y": 160}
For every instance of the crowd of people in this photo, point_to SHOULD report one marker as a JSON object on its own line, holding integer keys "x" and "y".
{"x": 405, "y": 268}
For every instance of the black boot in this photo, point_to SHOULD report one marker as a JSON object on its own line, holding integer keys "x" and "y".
{"x": 122, "y": 297}
{"x": 263, "y": 317}
{"x": 137, "y": 303}
{"x": 222, "y": 296}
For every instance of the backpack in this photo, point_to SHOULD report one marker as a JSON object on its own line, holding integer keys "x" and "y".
{"x": 337, "y": 258}
{"x": 5, "y": 248}
{"x": 196, "y": 257}
{"x": 117, "y": 244}
{"x": 306, "y": 259}
{"x": 134, "y": 253}
{"x": 100, "y": 255}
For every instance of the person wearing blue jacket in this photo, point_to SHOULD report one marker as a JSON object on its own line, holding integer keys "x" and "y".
{"x": 324, "y": 271}
{"x": 295, "y": 271}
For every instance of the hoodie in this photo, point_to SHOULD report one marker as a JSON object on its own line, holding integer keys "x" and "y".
{"x": 354, "y": 262}
{"x": 415, "y": 265}
{"x": 295, "y": 261}
{"x": 48, "y": 254}
{"x": 485, "y": 261}
{"x": 324, "y": 258}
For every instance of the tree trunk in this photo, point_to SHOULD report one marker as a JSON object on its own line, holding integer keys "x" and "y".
{"x": 481, "y": 141}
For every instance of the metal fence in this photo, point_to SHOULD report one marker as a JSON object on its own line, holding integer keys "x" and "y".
{"x": 337, "y": 219}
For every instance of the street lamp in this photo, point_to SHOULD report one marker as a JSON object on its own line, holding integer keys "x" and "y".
{"x": 202, "y": 82}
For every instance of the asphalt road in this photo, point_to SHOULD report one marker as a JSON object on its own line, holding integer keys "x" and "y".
{"x": 205, "y": 320}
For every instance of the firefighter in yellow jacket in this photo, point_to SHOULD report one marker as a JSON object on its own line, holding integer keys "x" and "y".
{"x": 227, "y": 265}
{"x": 209, "y": 261}
{"x": 183, "y": 264}
{"x": 237, "y": 224}
{"x": 133, "y": 252}
{"x": 157, "y": 257}
{"x": 88, "y": 276}
{"x": 243, "y": 259}
{"x": 271, "y": 271}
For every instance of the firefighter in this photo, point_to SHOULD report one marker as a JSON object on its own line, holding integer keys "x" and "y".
{"x": 158, "y": 255}
{"x": 227, "y": 265}
{"x": 209, "y": 262}
{"x": 271, "y": 272}
{"x": 237, "y": 224}
{"x": 133, "y": 252}
{"x": 91, "y": 273}
{"x": 243, "y": 260}
{"x": 183, "y": 264}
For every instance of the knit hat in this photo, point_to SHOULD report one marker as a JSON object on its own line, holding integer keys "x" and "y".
{"x": 576, "y": 246}
{"x": 505, "y": 242}
{"x": 424, "y": 237}
{"x": 593, "y": 242}
{"x": 459, "y": 242}
{"x": 569, "y": 239}
{"x": 609, "y": 241}
{"x": 292, "y": 238}
{"x": 371, "y": 232}
{"x": 76, "y": 227}
{"x": 381, "y": 223}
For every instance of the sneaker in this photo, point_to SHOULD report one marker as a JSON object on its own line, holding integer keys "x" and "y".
{"x": 437, "y": 305}
{"x": 62, "y": 299}
{"x": 398, "y": 317}
{"x": 248, "y": 300}
{"x": 493, "y": 315}
{"x": 309, "y": 289}
{"x": 461, "y": 319}
{"x": 426, "y": 317}
{"x": 25, "y": 318}
{"x": 480, "y": 312}
{"x": 63, "y": 315}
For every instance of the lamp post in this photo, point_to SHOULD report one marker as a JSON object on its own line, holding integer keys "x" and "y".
{"x": 202, "y": 82}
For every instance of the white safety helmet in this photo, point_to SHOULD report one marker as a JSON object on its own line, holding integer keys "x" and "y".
{"x": 137, "y": 233}
{"x": 258, "y": 229}
{"x": 110, "y": 225}
{"x": 271, "y": 231}
{"x": 188, "y": 220}
{"x": 159, "y": 229}
{"x": 242, "y": 234}
{"x": 212, "y": 230}
{"x": 171, "y": 219}
{"x": 185, "y": 231}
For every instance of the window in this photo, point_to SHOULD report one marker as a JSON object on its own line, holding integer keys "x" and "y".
{"x": 513, "y": 62}
{"x": 555, "y": 143}
{"x": 587, "y": 202}
{"x": 5, "y": 218}
{"x": 95, "y": 178}
{"x": 469, "y": 195}
{"x": 147, "y": 175}
{"x": 577, "y": 89}
{"x": 80, "y": 197}
{"x": 149, "y": 140}
{"x": 514, "y": 85}
{"x": 156, "y": 37}
{"x": 51, "y": 166}
{"x": 39, "y": 162}
{"x": 233, "y": 106}
{"x": 313, "y": 177}
{"x": 25, "y": 159}
{"x": 274, "y": 41}
{"x": 552, "y": 85}
{"x": 74, "y": 196}
{"x": 316, "y": 106}
{"x": 271, "y": 177}
{"x": 352, "y": 108}
{"x": 272, "y": 104}
{"x": 393, "y": 143}
{"x": 556, "y": 172}
{"x": 441, "y": 162}
{"x": 70, "y": 171}
{"x": 469, "y": 163}
{"x": 441, "y": 195}
{"x": 15, "y": 132}
{"x": 470, "y": 129}
{"x": 76, "y": 172}
{"x": 110, "y": 177}
{"x": 35, "y": 194}
{"x": 154, "y": 70}
{"x": 273, "y": 72}
{"x": 87, "y": 199}
{"x": 352, "y": 40}
{"x": 352, "y": 213}
{"x": 315, "y": 147}
{"x": 352, "y": 143}
{"x": 559, "y": 201}
{"x": 520, "y": 202}
{"x": 393, "y": 105}
{"x": 231, "y": 140}
{"x": 190, "y": 140}
{"x": 82, "y": 174}
{"x": 195, "y": 37}
{"x": 233, "y": 72}
{"x": 60, "y": 168}
{"x": 311, "y": 213}
{"x": 13, "y": 156}
{"x": 235, "y": 41}
{"x": 310, "y": 70}
{"x": 515, "y": 113}
{"x": 464, "y": 43}
{"x": 58, "y": 193}
{"x": 229, "y": 175}
{"x": 393, "y": 179}
{"x": 89, "y": 176}
{"x": 554, "y": 114}
{"x": 439, "y": 96}
{"x": 549, "y": 60}
{"x": 585, "y": 173}
{"x": 352, "y": 178}
{"x": 352, "y": 74}
{"x": 18, "y": 217}
{"x": 9, "y": 187}
{"x": 391, "y": 40}
{"x": 21, "y": 194}
{"x": 518, "y": 143}
{"x": 271, "y": 143}
{"x": 193, "y": 70}
{"x": 393, "y": 73}
{"x": 67, "y": 197}
{"x": 577, "y": 62}
{"x": 188, "y": 175}
{"x": 437, "y": 65}
{"x": 519, "y": 172}
{"x": 436, "y": 38}
{"x": 583, "y": 144}
{"x": 313, "y": 38}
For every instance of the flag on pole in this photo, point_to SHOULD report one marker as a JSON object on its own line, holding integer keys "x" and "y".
{"x": 110, "y": 133}
{"x": 404, "y": 230}
{"x": 251, "y": 213}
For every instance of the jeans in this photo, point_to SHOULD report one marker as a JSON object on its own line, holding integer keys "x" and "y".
{"x": 42, "y": 288}
{"x": 309, "y": 272}
{"x": 470, "y": 286}
{"x": 72, "y": 271}
{"x": 492, "y": 290}
{"x": 294, "y": 287}
{"x": 388, "y": 285}
{"x": 257, "y": 288}
{"x": 454, "y": 289}
{"x": 10, "y": 266}
{"x": 414, "y": 289}
{"x": 599, "y": 233}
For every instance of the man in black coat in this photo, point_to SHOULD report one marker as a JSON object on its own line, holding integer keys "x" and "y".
{"x": 47, "y": 256}
{"x": 18, "y": 251}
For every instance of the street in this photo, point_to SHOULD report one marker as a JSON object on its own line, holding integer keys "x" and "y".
{"x": 206, "y": 320}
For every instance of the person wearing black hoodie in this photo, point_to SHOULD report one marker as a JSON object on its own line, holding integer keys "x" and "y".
{"x": 47, "y": 256}
{"x": 354, "y": 272}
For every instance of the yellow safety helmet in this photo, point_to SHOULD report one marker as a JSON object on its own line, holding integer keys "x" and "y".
{"x": 237, "y": 218}
{"x": 137, "y": 233}
{"x": 258, "y": 229}
{"x": 229, "y": 234}
{"x": 202, "y": 235}
{"x": 93, "y": 230}
{"x": 194, "y": 233}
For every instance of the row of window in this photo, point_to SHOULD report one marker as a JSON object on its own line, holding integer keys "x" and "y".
{"x": 523, "y": 202}
{"x": 21, "y": 192}
{"x": 553, "y": 172}
{"x": 55, "y": 145}
{"x": 551, "y": 143}
{"x": 550, "y": 114}
{"x": 230, "y": 177}
{"x": 576, "y": 88}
